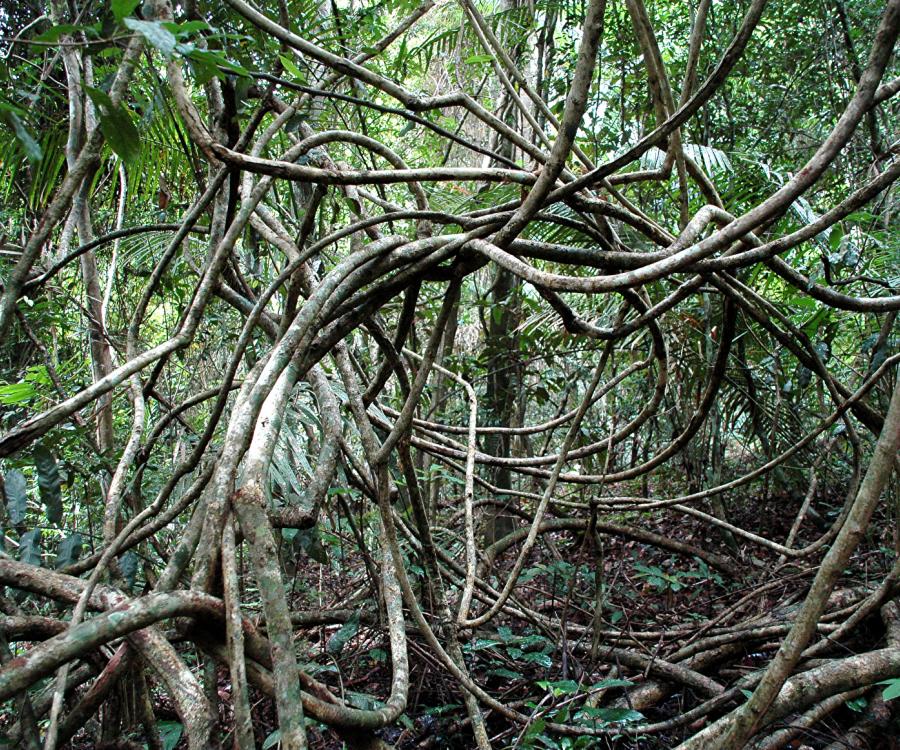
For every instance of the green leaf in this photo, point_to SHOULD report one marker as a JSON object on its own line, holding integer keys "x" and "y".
{"x": 612, "y": 715}
{"x": 892, "y": 690}
{"x": 481, "y": 643}
{"x": 611, "y": 683}
{"x": 49, "y": 483}
{"x": 539, "y": 658}
{"x": 272, "y": 740}
{"x": 294, "y": 124}
{"x": 30, "y": 547}
{"x": 128, "y": 564}
{"x": 835, "y": 237}
{"x": 123, "y": 8}
{"x": 474, "y": 59}
{"x": 16, "y": 393}
{"x": 16, "y": 496}
{"x": 209, "y": 64}
{"x": 121, "y": 134}
{"x": 561, "y": 687}
{"x": 535, "y": 728}
{"x": 291, "y": 67}
{"x": 32, "y": 148}
{"x": 506, "y": 634}
{"x": 289, "y": 534}
{"x": 340, "y": 639}
{"x": 55, "y": 32}
{"x": 309, "y": 541}
{"x": 169, "y": 732}
{"x": 116, "y": 125}
{"x": 182, "y": 30}
{"x": 155, "y": 33}
{"x": 363, "y": 701}
{"x": 68, "y": 551}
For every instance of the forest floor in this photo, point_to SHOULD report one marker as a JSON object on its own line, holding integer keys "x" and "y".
{"x": 655, "y": 600}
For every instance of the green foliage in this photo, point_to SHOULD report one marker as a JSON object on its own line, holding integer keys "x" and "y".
{"x": 156, "y": 33}
{"x": 116, "y": 125}
{"x": 68, "y": 551}
{"x": 16, "y": 393}
{"x": 32, "y": 148}
{"x": 30, "y": 547}
{"x": 749, "y": 139}
{"x": 310, "y": 542}
{"x": 892, "y": 689}
{"x": 123, "y": 8}
{"x": 563, "y": 708}
{"x": 170, "y": 733}
{"x": 14, "y": 487}
{"x": 531, "y": 649}
{"x": 49, "y": 483}
{"x": 128, "y": 565}
{"x": 343, "y": 636}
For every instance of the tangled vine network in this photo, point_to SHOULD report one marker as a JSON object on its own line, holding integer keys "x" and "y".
{"x": 296, "y": 362}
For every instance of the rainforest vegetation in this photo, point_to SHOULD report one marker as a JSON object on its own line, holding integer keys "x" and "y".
{"x": 404, "y": 374}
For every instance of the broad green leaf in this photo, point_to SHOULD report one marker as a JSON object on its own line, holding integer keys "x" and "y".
{"x": 16, "y": 496}
{"x": 123, "y": 8}
{"x": 116, "y": 125}
{"x": 49, "y": 483}
{"x": 182, "y": 30}
{"x": 55, "y": 32}
{"x": 481, "y": 643}
{"x": 340, "y": 639}
{"x": 68, "y": 551}
{"x": 121, "y": 134}
{"x": 612, "y": 715}
{"x": 30, "y": 547}
{"x": 169, "y": 732}
{"x": 272, "y": 740}
{"x": 293, "y": 125}
{"x": 611, "y": 683}
{"x": 128, "y": 564}
{"x": 291, "y": 67}
{"x": 892, "y": 690}
{"x": 539, "y": 658}
{"x": 561, "y": 687}
{"x": 835, "y": 237}
{"x": 506, "y": 634}
{"x": 155, "y": 33}
{"x": 309, "y": 541}
{"x": 363, "y": 701}
{"x": 535, "y": 728}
